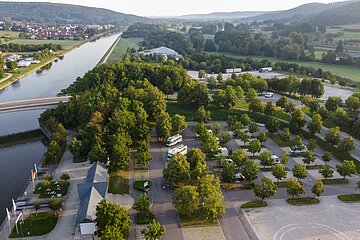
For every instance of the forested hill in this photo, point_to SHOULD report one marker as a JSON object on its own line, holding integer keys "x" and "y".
{"x": 63, "y": 13}
{"x": 347, "y": 14}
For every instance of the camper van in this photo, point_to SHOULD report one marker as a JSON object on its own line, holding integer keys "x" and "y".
{"x": 267, "y": 69}
{"x": 171, "y": 141}
{"x": 180, "y": 149}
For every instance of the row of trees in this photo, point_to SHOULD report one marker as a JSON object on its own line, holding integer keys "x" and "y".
{"x": 14, "y": 47}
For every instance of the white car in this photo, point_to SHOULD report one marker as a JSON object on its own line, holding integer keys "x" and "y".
{"x": 224, "y": 161}
{"x": 198, "y": 135}
{"x": 269, "y": 95}
{"x": 239, "y": 177}
{"x": 298, "y": 149}
{"x": 275, "y": 159}
{"x": 223, "y": 152}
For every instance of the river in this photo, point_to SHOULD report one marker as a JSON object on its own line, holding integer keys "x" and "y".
{"x": 16, "y": 161}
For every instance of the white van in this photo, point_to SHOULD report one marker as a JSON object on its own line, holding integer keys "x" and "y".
{"x": 171, "y": 141}
{"x": 181, "y": 149}
{"x": 223, "y": 152}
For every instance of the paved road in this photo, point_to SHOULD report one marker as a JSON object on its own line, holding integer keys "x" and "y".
{"x": 162, "y": 198}
{"x": 31, "y": 103}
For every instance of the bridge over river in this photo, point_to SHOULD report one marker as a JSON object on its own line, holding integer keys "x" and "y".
{"x": 34, "y": 103}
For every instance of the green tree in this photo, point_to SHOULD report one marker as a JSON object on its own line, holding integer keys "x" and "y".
{"x": 224, "y": 138}
{"x": 346, "y": 169}
{"x": 11, "y": 65}
{"x": 285, "y": 135}
{"x": 143, "y": 207}
{"x": 262, "y": 137}
{"x": 55, "y": 204}
{"x": 244, "y": 137}
{"x": 265, "y": 189}
{"x": 167, "y": 87}
{"x": 253, "y": 128}
{"x": 178, "y": 170}
{"x": 256, "y": 105}
{"x": 327, "y": 157}
{"x": 272, "y": 125}
{"x": 254, "y": 146}
{"x": 210, "y": 196}
{"x": 312, "y": 144}
{"x": 119, "y": 152}
{"x": 251, "y": 170}
{"x": 216, "y": 128}
{"x": 299, "y": 171}
{"x": 297, "y": 120}
{"x": 108, "y": 214}
{"x": 326, "y": 171}
{"x": 251, "y": 95}
{"x": 270, "y": 109}
{"x": 332, "y": 137}
{"x": 186, "y": 200}
{"x": 201, "y": 74}
{"x": 239, "y": 157}
{"x": 37, "y": 205}
{"x": 284, "y": 158}
{"x": 298, "y": 140}
{"x": 282, "y": 102}
{"x": 245, "y": 119}
{"x": 209, "y": 144}
{"x": 154, "y": 231}
{"x": 163, "y": 126}
{"x": 229, "y": 171}
{"x": 309, "y": 157}
{"x": 315, "y": 124}
{"x": 112, "y": 232}
{"x": 65, "y": 176}
{"x": 318, "y": 188}
{"x": 295, "y": 188}
{"x": 178, "y": 123}
{"x": 332, "y": 103}
{"x": 346, "y": 145}
{"x": 266, "y": 158}
{"x": 279, "y": 172}
{"x": 202, "y": 115}
{"x": 339, "y": 47}
{"x": 239, "y": 92}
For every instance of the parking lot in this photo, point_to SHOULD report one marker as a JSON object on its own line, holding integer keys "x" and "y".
{"x": 329, "y": 220}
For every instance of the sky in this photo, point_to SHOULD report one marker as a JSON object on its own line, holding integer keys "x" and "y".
{"x": 182, "y": 7}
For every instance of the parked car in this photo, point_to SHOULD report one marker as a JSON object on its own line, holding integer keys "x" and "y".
{"x": 298, "y": 149}
{"x": 275, "y": 159}
{"x": 239, "y": 177}
{"x": 198, "y": 135}
{"x": 222, "y": 162}
{"x": 223, "y": 152}
{"x": 269, "y": 95}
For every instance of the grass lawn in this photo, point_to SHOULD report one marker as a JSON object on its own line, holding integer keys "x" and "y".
{"x": 254, "y": 204}
{"x": 335, "y": 181}
{"x": 276, "y": 138}
{"x": 196, "y": 219}
{"x": 6, "y": 36}
{"x": 313, "y": 167}
{"x": 303, "y": 201}
{"x": 119, "y": 182}
{"x": 235, "y": 186}
{"x": 66, "y": 44}
{"x": 55, "y": 187}
{"x": 139, "y": 185}
{"x": 349, "y": 198}
{"x": 350, "y": 72}
{"x": 282, "y": 184}
{"x": 121, "y": 47}
{"x": 266, "y": 169}
{"x": 36, "y": 224}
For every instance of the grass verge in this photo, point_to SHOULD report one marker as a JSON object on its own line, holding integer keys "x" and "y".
{"x": 349, "y": 198}
{"x": 36, "y": 225}
{"x": 119, "y": 182}
{"x": 335, "y": 181}
{"x": 254, "y": 204}
{"x": 303, "y": 201}
{"x": 196, "y": 219}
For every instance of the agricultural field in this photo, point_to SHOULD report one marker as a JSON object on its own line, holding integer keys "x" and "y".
{"x": 350, "y": 72}
{"x": 121, "y": 47}
{"x": 67, "y": 44}
{"x": 6, "y": 36}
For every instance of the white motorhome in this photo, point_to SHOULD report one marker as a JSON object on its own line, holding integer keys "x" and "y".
{"x": 222, "y": 152}
{"x": 180, "y": 149}
{"x": 267, "y": 69}
{"x": 171, "y": 141}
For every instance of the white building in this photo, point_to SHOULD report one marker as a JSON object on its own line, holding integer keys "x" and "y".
{"x": 23, "y": 64}
{"x": 163, "y": 51}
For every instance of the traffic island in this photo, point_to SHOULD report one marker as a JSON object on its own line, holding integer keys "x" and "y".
{"x": 349, "y": 198}
{"x": 302, "y": 201}
{"x": 254, "y": 204}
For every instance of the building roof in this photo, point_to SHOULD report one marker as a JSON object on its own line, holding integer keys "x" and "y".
{"x": 161, "y": 51}
{"x": 91, "y": 192}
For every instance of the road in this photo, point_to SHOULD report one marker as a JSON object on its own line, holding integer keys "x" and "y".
{"x": 32, "y": 103}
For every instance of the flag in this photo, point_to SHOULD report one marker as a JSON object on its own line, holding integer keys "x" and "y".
{"x": 33, "y": 175}
{"x": 8, "y": 214}
{"x": 36, "y": 168}
{"x": 14, "y": 205}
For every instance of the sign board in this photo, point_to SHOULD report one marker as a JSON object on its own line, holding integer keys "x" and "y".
{"x": 87, "y": 228}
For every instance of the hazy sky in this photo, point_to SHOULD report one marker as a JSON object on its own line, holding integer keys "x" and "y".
{"x": 181, "y": 7}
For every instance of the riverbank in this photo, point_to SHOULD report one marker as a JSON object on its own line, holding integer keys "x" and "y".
{"x": 32, "y": 68}
{"x": 21, "y": 138}
{"x": 108, "y": 52}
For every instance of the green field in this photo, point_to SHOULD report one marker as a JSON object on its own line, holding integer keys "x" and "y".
{"x": 121, "y": 47}
{"x": 350, "y": 72}
{"x": 348, "y": 35}
{"x": 67, "y": 44}
{"x": 6, "y": 36}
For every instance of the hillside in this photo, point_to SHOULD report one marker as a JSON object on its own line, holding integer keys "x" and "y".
{"x": 221, "y": 15}
{"x": 63, "y": 13}
{"x": 301, "y": 12}
{"x": 347, "y": 14}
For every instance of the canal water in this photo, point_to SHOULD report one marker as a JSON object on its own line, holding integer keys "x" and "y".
{"x": 16, "y": 161}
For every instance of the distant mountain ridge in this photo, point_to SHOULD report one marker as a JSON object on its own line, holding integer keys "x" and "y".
{"x": 64, "y": 13}
{"x": 222, "y": 15}
{"x": 346, "y": 14}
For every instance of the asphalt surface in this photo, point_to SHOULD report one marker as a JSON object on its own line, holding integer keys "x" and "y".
{"x": 36, "y": 102}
